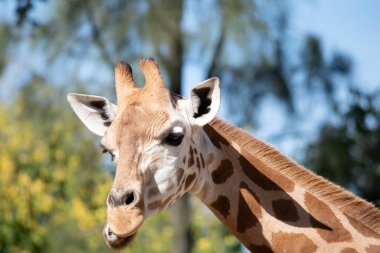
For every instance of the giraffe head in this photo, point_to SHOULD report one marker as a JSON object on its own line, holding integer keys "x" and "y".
{"x": 148, "y": 135}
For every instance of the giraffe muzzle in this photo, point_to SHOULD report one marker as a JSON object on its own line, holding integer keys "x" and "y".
{"x": 123, "y": 223}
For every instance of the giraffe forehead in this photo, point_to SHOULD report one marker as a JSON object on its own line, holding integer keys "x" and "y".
{"x": 149, "y": 115}
{"x": 144, "y": 123}
{"x": 135, "y": 127}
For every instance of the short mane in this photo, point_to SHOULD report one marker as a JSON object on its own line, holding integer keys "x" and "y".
{"x": 348, "y": 203}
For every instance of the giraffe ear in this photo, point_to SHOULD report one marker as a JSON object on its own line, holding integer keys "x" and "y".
{"x": 205, "y": 101}
{"x": 95, "y": 112}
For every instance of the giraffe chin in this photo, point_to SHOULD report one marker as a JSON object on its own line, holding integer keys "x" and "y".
{"x": 117, "y": 242}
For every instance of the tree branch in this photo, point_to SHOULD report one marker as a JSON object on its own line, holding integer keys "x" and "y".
{"x": 95, "y": 34}
{"x": 217, "y": 52}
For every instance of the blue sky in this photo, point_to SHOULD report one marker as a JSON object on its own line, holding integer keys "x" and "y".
{"x": 350, "y": 26}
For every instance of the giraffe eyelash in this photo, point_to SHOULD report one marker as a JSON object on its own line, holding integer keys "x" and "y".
{"x": 107, "y": 151}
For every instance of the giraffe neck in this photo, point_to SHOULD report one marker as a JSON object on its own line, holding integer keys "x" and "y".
{"x": 266, "y": 210}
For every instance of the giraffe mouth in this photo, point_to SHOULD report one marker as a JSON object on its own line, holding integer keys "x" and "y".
{"x": 115, "y": 241}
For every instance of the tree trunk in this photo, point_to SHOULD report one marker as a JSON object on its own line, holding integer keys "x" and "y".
{"x": 181, "y": 222}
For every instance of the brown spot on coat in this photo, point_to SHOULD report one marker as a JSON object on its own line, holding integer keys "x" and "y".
{"x": 154, "y": 205}
{"x": 179, "y": 175}
{"x": 223, "y": 172}
{"x": 202, "y": 160}
{"x": 222, "y": 205}
{"x": 256, "y": 176}
{"x": 189, "y": 180}
{"x": 198, "y": 163}
{"x": 349, "y": 250}
{"x": 267, "y": 175}
{"x": 153, "y": 191}
{"x": 260, "y": 248}
{"x": 373, "y": 249}
{"x": 285, "y": 210}
{"x": 214, "y": 137}
{"x": 184, "y": 160}
{"x": 292, "y": 242}
{"x": 320, "y": 211}
{"x": 362, "y": 229}
{"x": 249, "y": 209}
{"x": 159, "y": 204}
{"x": 191, "y": 158}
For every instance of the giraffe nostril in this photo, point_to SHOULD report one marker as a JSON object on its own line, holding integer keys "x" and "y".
{"x": 129, "y": 198}
{"x": 126, "y": 199}
{"x": 111, "y": 200}
{"x": 109, "y": 233}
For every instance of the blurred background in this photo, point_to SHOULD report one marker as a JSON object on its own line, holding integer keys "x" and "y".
{"x": 302, "y": 75}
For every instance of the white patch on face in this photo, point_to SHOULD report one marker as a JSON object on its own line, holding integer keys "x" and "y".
{"x": 165, "y": 173}
{"x": 177, "y": 130}
{"x": 160, "y": 162}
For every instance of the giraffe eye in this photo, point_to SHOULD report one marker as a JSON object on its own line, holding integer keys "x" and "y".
{"x": 174, "y": 139}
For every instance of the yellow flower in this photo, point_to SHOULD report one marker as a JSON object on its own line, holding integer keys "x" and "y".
{"x": 81, "y": 214}
{"x": 59, "y": 154}
{"x": 58, "y": 175}
{"x": 7, "y": 168}
{"x": 204, "y": 244}
{"x": 40, "y": 153}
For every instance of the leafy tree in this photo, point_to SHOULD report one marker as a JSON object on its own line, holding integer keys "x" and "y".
{"x": 45, "y": 182}
{"x": 347, "y": 151}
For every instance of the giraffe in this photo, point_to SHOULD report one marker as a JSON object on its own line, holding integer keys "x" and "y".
{"x": 164, "y": 145}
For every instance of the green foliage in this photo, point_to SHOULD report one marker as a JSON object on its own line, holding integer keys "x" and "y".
{"x": 348, "y": 152}
{"x": 45, "y": 163}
